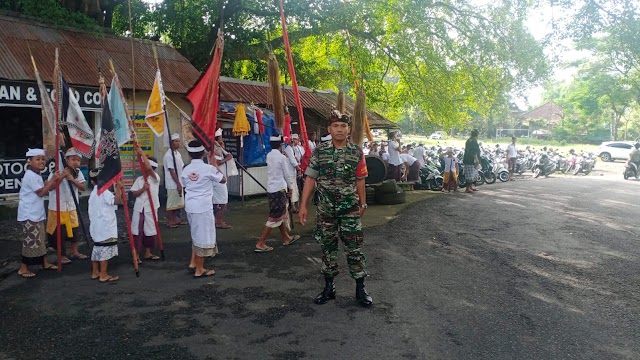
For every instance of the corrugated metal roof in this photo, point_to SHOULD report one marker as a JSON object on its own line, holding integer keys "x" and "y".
{"x": 321, "y": 101}
{"x": 79, "y": 54}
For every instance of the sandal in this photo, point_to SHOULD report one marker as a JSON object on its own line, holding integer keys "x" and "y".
{"x": 95, "y": 277}
{"x": 205, "y": 273}
{"x": 191, "y": 269}
{"x": 267, "y": 249}
{"x": 110, "y": 279}
{"x": 79, "y": 256}
{"x": 224, "y": 226}
{"x": 27, "y": 275}
{"x": 293, "y": 239}
{"x": 152, "y": 257}
{"x": 51, "y": 267}
{"x": 172, "y": 226}
{"x": 65, "y": 260}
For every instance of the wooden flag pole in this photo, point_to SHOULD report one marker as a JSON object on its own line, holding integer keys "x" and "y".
{"x": 166, "y": 119}
{"x": 144, "y": 170}
{"x": 58, "y": 90}
{"x": 134, "y": 253}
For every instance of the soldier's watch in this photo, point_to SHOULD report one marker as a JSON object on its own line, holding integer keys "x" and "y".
{"x": 363, "y": 206}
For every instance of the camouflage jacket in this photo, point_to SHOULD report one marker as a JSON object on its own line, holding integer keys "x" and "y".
{"x": 336, "y": 171}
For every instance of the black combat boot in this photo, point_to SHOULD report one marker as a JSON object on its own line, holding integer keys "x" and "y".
{"x": 361, "y": 293}
{"x": 329, "y": 292}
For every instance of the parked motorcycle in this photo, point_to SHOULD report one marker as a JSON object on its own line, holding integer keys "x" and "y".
{"x": 584, "y": 164}
{"x": 430, "y": 178}
{"x": 544, "y": 165}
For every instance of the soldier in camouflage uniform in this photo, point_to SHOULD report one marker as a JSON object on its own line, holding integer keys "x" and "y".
{"x": 338, "y": 169}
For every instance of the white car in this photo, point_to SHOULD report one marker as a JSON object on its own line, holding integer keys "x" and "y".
{"x": 436, "y": 136}
{"x": 614, "y": 150}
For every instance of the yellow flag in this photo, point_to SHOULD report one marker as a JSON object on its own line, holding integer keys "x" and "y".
{"x": 155, "y": 110}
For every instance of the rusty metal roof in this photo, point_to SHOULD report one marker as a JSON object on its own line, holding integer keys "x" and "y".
{"x": 79, "y": 55}
{"x": 236, "y": 90}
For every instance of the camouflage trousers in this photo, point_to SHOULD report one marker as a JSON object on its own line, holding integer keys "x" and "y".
{"x": 348, "y": 230}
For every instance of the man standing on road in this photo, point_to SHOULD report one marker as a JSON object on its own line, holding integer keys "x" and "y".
{"x": 173, "y": 166}
{"x": 512, "y": 154}
{"x": 395, "y": 163}
{"x": 470, "y": 160}
{"x": 339, "y": 170}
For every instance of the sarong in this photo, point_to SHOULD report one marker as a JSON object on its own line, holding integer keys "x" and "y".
{"x": 105, "y": 250}
{"x": 204, "y": 252}
{"x": 278, "y": 206}
{"x": 470, "y": 173}
{"x": 33, "y": 247}
{"x": 203, "y": 229}
{"x": 143, "y": 230}
{"x": 395, "y": 172}
{"x": 68, "y": 221}
{"x": 174, "y": 202}
{"x": 414, "y": 172}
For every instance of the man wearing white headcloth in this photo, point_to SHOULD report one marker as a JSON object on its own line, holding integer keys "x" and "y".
{"x": 294, "y": 169}
{"x": 279, "y": 188}
{"x": 31, "y": 213}
{"x": 198, "y": 179}
{"x": 143, "y": 228}
{"x": 173, "y": 166}
{"x": 69, "y": 223}
{"x": 220, "y": 191}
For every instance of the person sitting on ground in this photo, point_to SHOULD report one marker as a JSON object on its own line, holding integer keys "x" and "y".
{"x": 143, "y": 226}
{"x": 411, "y": 167}
{"x": 69, "y": 224}
{"x": 198, "y": 179}
{"x": 31, "y": 214}
{"x": 279, "y": 190}
{"x": 103, "y": 226}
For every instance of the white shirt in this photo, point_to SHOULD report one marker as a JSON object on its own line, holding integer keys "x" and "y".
{"x": 298, "y": 152}
{"x": 418, "y": 153}
{"x": 198, "y": 179}
{"x": 450, "y": 163}
{"x": 292, "y": 161}
{"x": 103, "y": 224}
{"x": 142, "y": 201}
{"x": 66, "y": 201}
{"x": 167, "y": 161}
{"x": 394, "y": 153}
{"x": 312, "y": 145}
{"x": 220, "y": 191}
{"x": 512, "y": 151}
{"x": 31, "y": 206}
{"x": 385, "y": 156}
{"x": 408, "y": 159}
{"x": 278, "y": 171}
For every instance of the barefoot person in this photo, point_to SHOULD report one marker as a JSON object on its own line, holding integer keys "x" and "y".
{"x": 279, "y": 188}
{"x": 31, "y": 213}
{"x": 339, "y": 170}
{"x": 198, "y": 179}
{"x": 103, "y": 227}
{"x": 69, "y": 224}
{"x": 143, "y": 228}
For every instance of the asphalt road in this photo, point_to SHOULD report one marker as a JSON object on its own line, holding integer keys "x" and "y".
{"x": 530, "y": 269}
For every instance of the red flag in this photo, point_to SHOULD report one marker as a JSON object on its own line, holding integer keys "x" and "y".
{"x": 259, "y": 120}
{"x": 286, "y": 132}
{"x": 204, "y": 94}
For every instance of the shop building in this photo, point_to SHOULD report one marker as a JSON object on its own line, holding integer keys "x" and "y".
{"x": 80, "y": 55}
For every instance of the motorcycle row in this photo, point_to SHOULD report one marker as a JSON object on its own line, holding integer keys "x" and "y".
{"x": 493, "y": 166}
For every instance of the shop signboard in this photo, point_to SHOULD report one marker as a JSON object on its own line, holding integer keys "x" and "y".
{"x": 130, "y": 164}
{"x": 22, "y": 93}
{"x": 11, "y": 174}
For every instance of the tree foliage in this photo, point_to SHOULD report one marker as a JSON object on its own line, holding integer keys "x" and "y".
{"x": 446, "y": 59}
